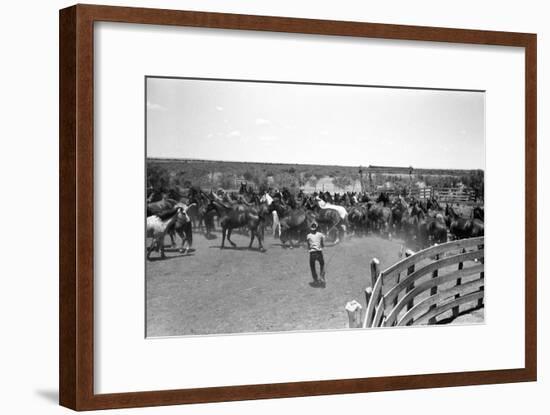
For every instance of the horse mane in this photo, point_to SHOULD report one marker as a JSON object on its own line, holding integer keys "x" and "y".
{"x": 168, "y": 213}
{"x": 220, "y": 203}
{"x": 452, "y": 212}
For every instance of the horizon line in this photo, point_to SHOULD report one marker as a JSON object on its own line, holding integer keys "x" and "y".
{"x": 307, "y": 164}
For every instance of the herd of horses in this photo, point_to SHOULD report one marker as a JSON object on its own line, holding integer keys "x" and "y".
{"x": 420, "y": 223}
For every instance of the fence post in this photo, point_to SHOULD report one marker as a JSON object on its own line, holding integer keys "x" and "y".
{"x": 398, "y": 276}
{"x": 482, "y": 275}
{"x": 353, "y": 309}
{"x": 368, "y": 295}
{"x": 410, "y": 270}
{"x": 374, "y": 271}
{"x": 456, "y": 310}
{"x": 433, "y": 290}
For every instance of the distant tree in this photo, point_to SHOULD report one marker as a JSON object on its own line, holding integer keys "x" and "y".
{"x": 285, "y": 179}
{"x": 158, "y": 178}
{"x": 248, "y": 176}
{"x": 302, "y": 180}
{"x": 258, "y": 177}
{"x": 476, "y": 181}
{"x": 227, "y": 181}
{"x": 312, "y": 180}
{"x": 342, "y": 182}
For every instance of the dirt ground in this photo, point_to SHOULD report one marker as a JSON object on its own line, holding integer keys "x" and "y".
{"x": 235, "y": 290}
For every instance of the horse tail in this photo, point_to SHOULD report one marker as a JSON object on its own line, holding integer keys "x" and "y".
{"x": 276, "y": 223}
{"x": 188, "y": 229}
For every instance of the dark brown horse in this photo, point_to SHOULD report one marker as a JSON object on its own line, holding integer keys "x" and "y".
{"x": 328, "y": 218}
{"x": 409, "y": 227}
{"x": 182, "y": 227}
{"x": 422, "y": 230}
{"x": 431, "y": 231}
{"x": 398, "y": 211}
{"x": 293, "y": 222}
{"x": 295, "y": 225}
{"x": 462, "y": 228}
{"x": 380, "y": 218}
{"x": 163, "y": 205}
{"x": 478, "y": 213}
{"x": 357, "y": 219}
{"x": 241, "y": 216}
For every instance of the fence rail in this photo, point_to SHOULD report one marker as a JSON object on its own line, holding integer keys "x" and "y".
{"x": 455, "y": 195}
{"x": 424, "y": 286}
{"x": 443, "y": 194}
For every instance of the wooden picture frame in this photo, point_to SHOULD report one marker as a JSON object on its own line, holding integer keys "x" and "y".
{"x": 76, "y": 238}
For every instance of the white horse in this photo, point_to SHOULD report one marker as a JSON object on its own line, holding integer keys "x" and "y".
{"x": 157, "y": 226}
{"x": 340, "y": 209}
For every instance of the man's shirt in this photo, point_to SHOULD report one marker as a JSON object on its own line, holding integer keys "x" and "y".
{"x": 315, "y": 241}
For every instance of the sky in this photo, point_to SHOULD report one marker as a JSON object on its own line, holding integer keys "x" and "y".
{"x": 315, "y": 124}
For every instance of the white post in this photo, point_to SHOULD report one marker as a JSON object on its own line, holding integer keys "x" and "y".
{"x": 353, "y": 309}
{"x": 374, "y": 271}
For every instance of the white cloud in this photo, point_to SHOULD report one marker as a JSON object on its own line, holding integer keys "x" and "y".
{"x": 155, "y": 107}
{"x": 262, "y": 121}
{"x": 324, "y": 132}
{"x": 218, "y": 108}
{"x": 234, "y": 133}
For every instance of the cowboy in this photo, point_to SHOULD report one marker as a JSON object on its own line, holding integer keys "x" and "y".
{"x": 315, "y": 244}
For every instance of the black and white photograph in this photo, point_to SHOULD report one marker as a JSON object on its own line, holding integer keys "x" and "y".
{"x": 278, "y": 206}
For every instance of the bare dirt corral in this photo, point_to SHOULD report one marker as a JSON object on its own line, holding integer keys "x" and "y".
{"x": 213, "y": 291}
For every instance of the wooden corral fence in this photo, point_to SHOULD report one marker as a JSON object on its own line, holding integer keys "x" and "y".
{"x": 422, "y": 192}
{"x": 437, "y": 283}
{"x": 455, "y": 195}
{"x": 445, "y": 194}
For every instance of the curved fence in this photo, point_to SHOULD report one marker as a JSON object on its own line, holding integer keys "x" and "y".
{"x": 427, "y": 287}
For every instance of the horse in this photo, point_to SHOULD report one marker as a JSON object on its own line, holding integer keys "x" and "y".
{"x": 380, "y": 218}
{"x": 409, "y": 226}
{"x": 398, "y": 209}
{"x": 290, "y": 223}
{"x": 244, "y": 188}
{"x": 383, "y": 198}
{"x": 295, "y": 225}
{"x": 198, "y": 201}
{"x": 156, "y": 228}
{"x": 437, "y": 230}
{"x": 183, "y": 227}
{"x": 357, "y": 218}
{"x": 275, "y": 222}
{"x": 240, "y": 215}
{"x": 329, "y": 216}
{"x": 478, "y": 213}
{"x": 461, "y": 227}
{"x": 154, "y": 208}
{"x": 433, "y": 204}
